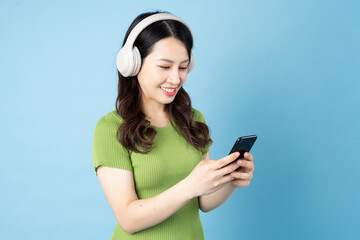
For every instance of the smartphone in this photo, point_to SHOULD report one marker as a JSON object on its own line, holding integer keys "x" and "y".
{"x": 243, "y": 144}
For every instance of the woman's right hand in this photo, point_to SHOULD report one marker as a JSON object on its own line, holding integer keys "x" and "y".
{"x": 211, "y": 175}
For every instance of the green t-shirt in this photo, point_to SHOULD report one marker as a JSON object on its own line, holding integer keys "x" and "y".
{"x": 171, "y": 160}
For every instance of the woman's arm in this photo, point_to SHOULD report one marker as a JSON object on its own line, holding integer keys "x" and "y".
{"x": 215, "y": 199}
{"x": 134, "y": 215}
{"x": 131, "y": 213}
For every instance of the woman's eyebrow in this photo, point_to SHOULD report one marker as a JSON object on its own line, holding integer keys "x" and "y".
{"x": 170, "y": 61}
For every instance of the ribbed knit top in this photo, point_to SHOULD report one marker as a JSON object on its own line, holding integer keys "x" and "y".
{"x": 171, "y": 160}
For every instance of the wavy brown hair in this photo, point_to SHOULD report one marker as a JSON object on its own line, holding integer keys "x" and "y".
{"x": 135, "y": 131}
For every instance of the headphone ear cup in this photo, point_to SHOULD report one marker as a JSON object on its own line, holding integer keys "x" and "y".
{"x": 124, "y": 61}
{"x": 191, "y": 63}
{"x": 136, "y": 60}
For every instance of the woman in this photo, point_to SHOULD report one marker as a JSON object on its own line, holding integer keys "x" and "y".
{"x": 151, "y": 153}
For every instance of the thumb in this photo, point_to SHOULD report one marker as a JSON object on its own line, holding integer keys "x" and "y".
{"x": 222, "y": 162}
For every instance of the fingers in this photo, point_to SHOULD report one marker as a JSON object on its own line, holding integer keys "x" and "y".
{"x": 246, "y": 165}
{"x": 226, "y": 179}
{"x": 246, "y": 171}
{"x": 242, "y": 175}
{"x": 228, "y": 169}
{"x": 248, "y": 156}
{"x": 222, "y": 162}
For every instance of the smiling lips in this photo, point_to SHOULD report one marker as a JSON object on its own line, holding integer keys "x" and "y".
{"x": 169, "y": 91}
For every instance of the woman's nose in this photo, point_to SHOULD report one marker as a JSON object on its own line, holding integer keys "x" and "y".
{"x": 174, "y": 76}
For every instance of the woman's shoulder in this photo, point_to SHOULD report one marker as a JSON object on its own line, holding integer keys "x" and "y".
{"x": 109, "y": 119}
{"x": 197, "y": 115}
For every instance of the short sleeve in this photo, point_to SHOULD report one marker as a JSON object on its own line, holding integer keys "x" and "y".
{"x": 199, "y": 117}
{"x": 106, "y": 149}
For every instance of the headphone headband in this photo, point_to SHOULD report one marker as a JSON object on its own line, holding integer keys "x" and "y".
{"x": 146, "y": 22}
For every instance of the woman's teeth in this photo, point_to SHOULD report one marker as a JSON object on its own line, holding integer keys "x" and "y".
{"x": 168, "y": 89}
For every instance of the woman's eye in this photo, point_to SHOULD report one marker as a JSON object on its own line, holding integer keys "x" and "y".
{"x": 166, "y": 67}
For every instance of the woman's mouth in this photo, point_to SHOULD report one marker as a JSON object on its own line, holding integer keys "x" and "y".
{"x": 169, "y": 91}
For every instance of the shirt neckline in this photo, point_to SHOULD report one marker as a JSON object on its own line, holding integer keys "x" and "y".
{"x": 166, "y": 129}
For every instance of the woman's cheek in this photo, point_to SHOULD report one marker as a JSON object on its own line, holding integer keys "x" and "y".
{"x": 183, "y": 77}
{"x": 161, "y": 74}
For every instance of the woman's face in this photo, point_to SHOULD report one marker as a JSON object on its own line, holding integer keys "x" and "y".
{"x": 164, "y": 67}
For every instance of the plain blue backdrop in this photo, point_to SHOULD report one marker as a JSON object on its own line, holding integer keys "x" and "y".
{"x": 287, "y": 71}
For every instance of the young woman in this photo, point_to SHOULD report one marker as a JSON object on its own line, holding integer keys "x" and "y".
{"x": 151, "y": 154}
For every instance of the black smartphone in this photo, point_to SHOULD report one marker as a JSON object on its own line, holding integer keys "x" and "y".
{"x": 243, "y": 144}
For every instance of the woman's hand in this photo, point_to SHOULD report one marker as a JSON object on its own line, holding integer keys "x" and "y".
{"x": 244, "y": 173}
{"x": 211, "y": 175}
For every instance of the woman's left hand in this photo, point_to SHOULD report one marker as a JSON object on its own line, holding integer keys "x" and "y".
{"x": 244, "y": 173}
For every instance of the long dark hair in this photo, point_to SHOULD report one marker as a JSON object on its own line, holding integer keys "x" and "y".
{"x": 135, "y": 130}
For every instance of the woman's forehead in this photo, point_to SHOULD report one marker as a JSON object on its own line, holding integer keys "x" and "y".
{"x": 169, "y": 48}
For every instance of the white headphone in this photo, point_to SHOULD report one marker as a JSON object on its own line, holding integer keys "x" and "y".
{"x": 128, "y": 60}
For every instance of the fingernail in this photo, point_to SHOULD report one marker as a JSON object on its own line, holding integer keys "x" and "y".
{"x": 233, "y": 174}
{"x": 237, "y": 154}
{"x": 239, "y": 162}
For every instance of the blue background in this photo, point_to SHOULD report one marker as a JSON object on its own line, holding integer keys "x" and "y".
{"x": 287, "y": 71}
